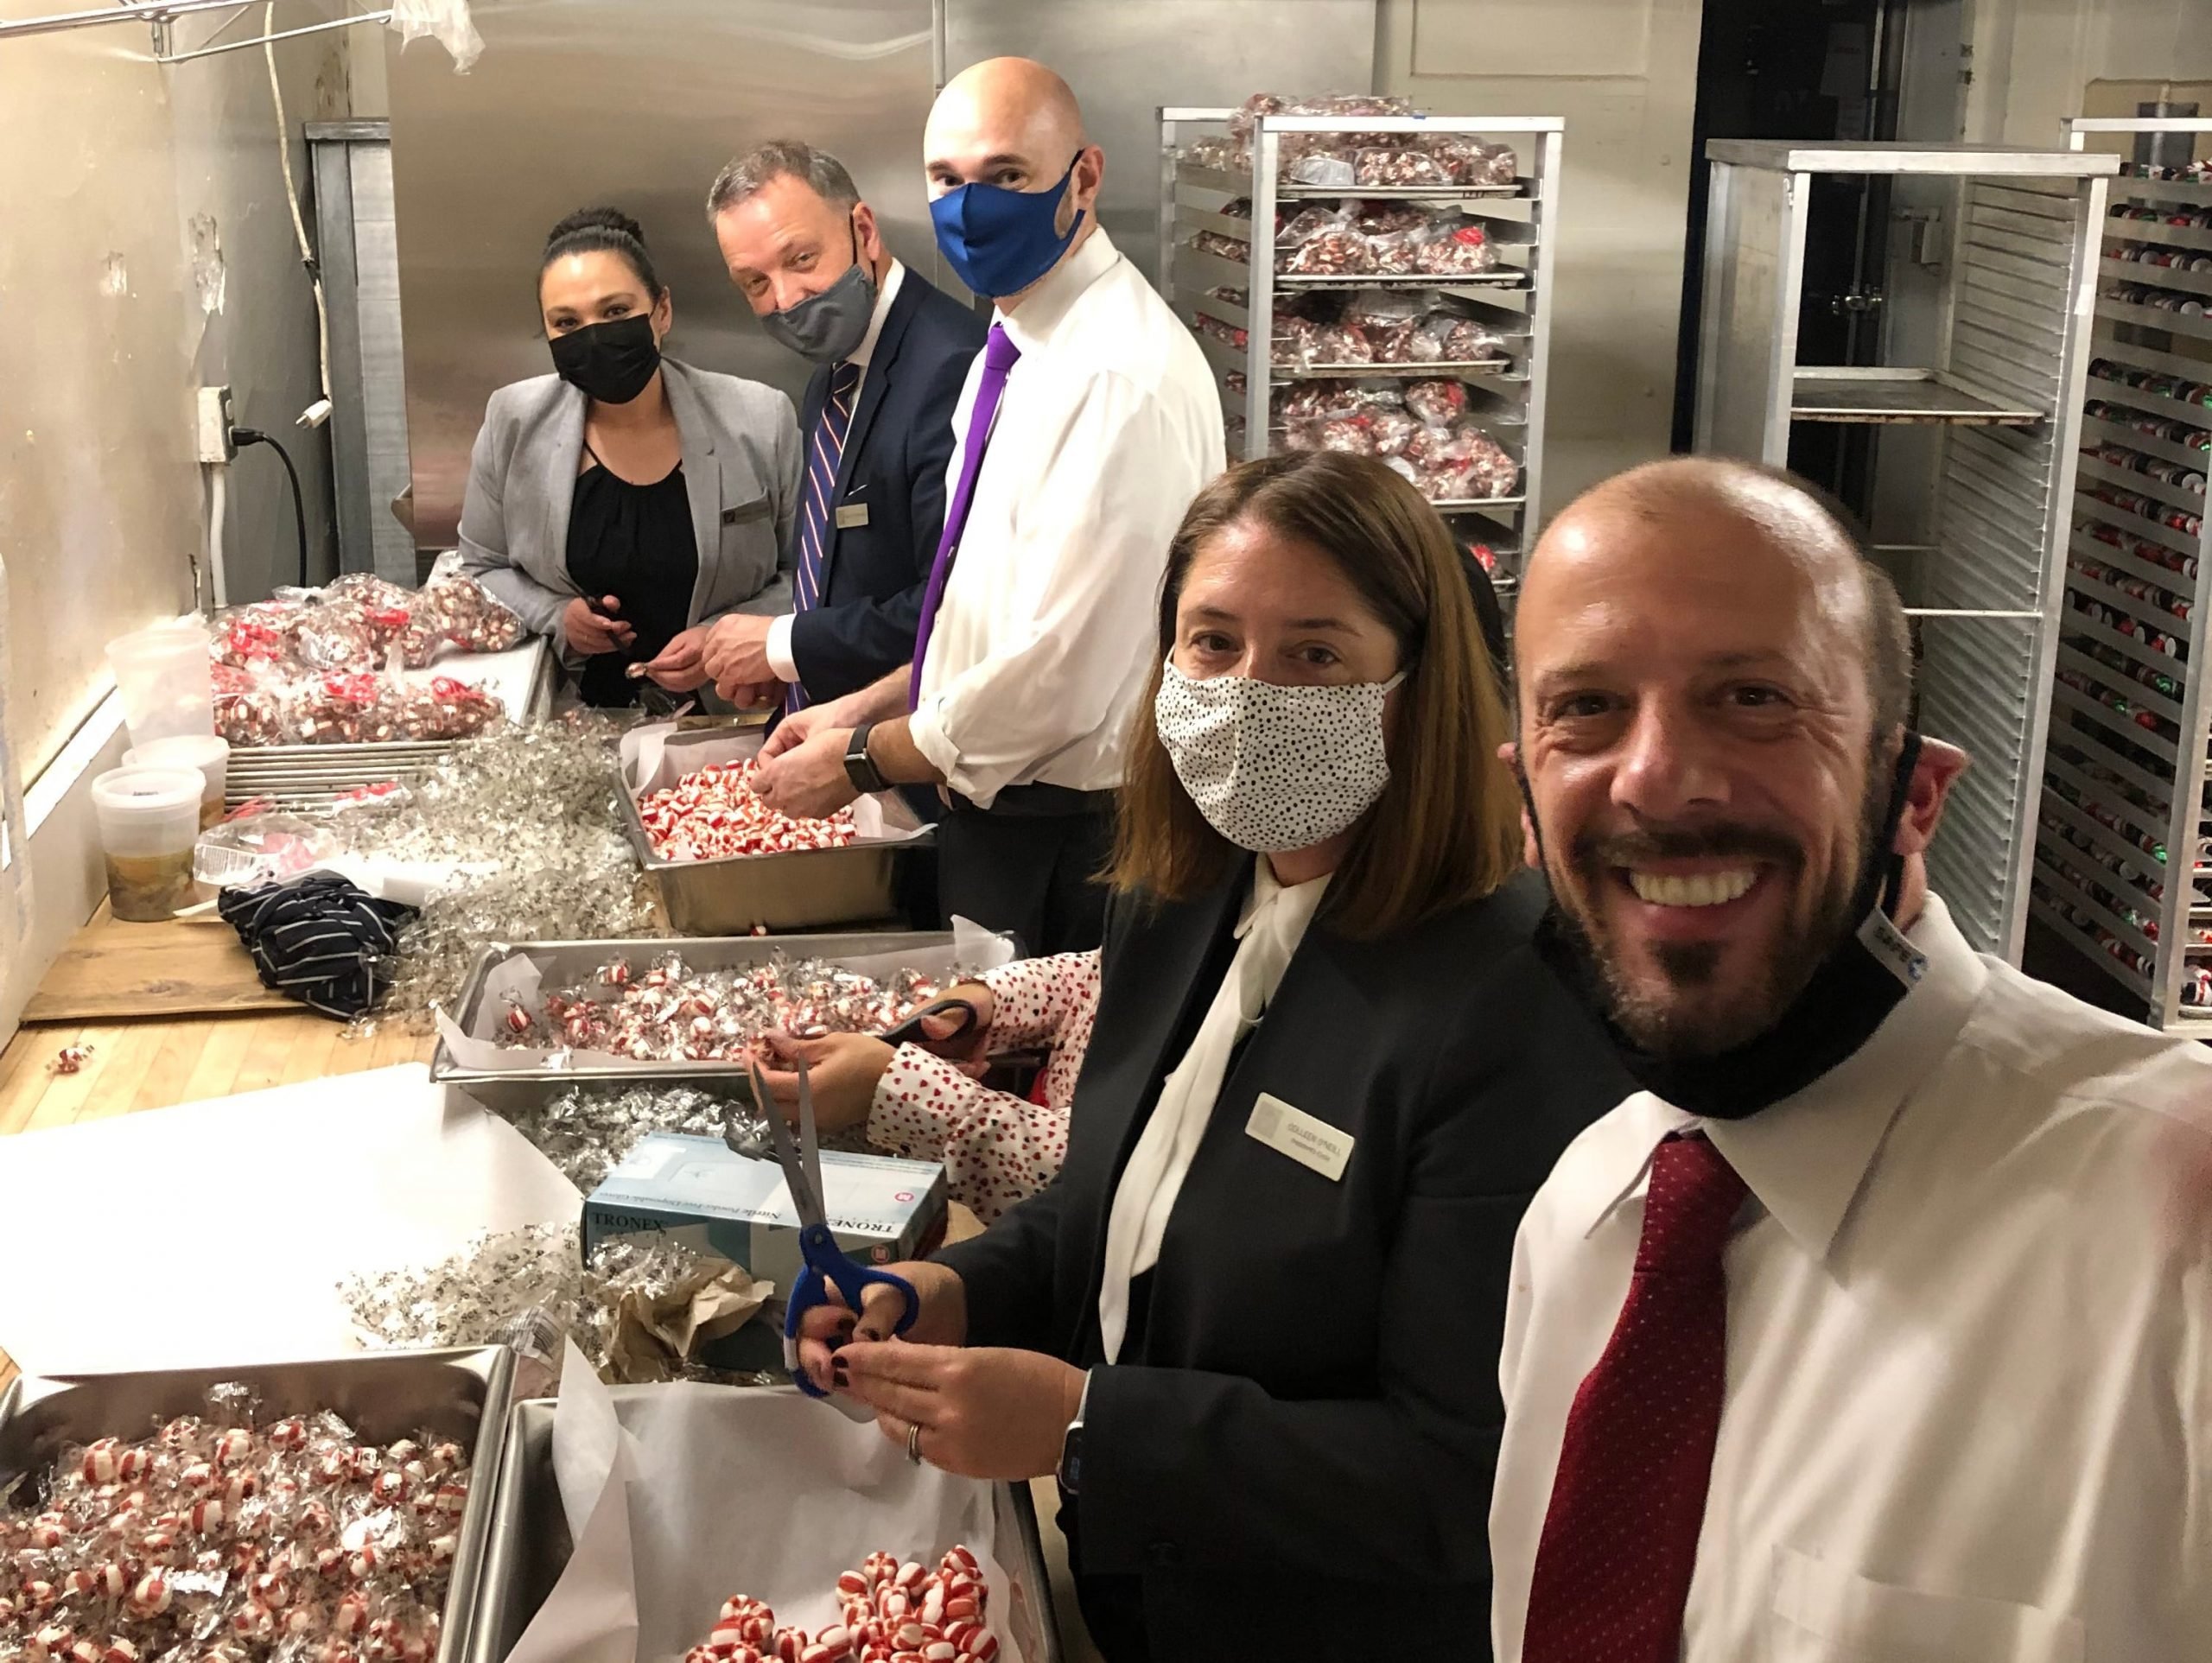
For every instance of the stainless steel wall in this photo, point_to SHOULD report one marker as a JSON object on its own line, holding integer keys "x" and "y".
{"x": 576, "y": 103}
{"x": 1126, "y": 58}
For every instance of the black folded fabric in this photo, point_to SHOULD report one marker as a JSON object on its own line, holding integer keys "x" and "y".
{"x": 318, "y": 939}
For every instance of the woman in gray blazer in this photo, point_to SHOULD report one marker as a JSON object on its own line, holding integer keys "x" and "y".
{"x": 625, "y": 503}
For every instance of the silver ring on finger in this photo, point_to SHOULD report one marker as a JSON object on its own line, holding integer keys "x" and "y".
{"x": 914, "y": 1442}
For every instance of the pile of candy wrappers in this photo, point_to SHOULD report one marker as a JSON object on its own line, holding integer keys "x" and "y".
{"x": 894, "y": 1613}
{"x": 669, "y": 1013}
{"x": 713, "y": 813}
{"x": 226, "y": 1542}
{"x": 319, "y": 666}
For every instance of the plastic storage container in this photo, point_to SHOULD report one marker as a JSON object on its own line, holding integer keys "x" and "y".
{"x": 207, "y": 753}
{"x": 162, "y": 674}
{"x": 149, "y": 818}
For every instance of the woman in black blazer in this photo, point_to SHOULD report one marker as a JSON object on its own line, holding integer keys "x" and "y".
{"x": 1255, "y": 1325}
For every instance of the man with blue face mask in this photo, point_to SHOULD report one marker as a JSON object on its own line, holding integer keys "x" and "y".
{"x": 1088, "y": 423}
{"x": 876, "y": 422}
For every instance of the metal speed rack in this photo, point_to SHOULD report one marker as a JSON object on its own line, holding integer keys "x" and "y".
{"x": 2003, "y": 399}
{"x": 2124, "y": 811}
{"x": 1239, "y": 309}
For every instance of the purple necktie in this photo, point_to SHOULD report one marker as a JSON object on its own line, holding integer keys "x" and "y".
{"x": 999, "y": 354}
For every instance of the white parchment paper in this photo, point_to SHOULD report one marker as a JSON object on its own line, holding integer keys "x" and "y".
{"x": 755, "y": 1492}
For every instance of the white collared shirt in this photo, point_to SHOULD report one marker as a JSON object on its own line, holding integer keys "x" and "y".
{"x": 1108, "y": 425}
{"x": 779, "y": 646}
{"x": 1969, "y": 1361}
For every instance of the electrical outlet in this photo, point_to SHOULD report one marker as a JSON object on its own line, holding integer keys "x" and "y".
{"x": 212, "y": 426}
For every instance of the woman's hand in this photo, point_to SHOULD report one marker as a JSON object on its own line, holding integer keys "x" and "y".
{"x": 991, "y": 1412}
{"x": 591, "y": 634}
{"x": 841, "y": 1071}
{"x": 681, "y": 667}
{"x": 826, "y": 1328}
{"x": 944, "y": 1034}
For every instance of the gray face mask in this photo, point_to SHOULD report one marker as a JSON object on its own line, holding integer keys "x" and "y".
{"x": 829, "y": 327}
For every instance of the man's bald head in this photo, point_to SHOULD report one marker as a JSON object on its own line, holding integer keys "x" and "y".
{"x": 1762, "y": 512}
{"x": 1004, "y": 106}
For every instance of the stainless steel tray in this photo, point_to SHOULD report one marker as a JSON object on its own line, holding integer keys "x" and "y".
{"x": 510, "y": 1090}
{"x": 386, "y": 1395}
{"x": 530, "y": 1544}
{"x": 805, "y": 890}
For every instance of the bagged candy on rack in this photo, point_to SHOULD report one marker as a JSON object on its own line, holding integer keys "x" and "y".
{"x": 1221, "y": 247}
{"x": 1302, "y": 343}
{"x": 249, "y": 706}
{"x": 1392, "y": 428}
{"x": 1219, "y": 331}
{"x": 1306, "y": 401}
{"x": 335, "y": 636}
{"x": 1221, "y": 154}
{"x": 1461, "y": 463}
{"x": 1471, "y": 160}
{"x": 1260, "y": 103}
{"x": 360, "y": 708}
{"x": 1352, "y": 435}
{"x": 252, "y": 635}
{"x": 1231, "y": 297}
{"x": 1384, "y": 219}
{"x": 1397, "y": 253}
{"x": 1455, "y": 249}
{"x": 1399, "y": 167}
{"x": 1323, "y": 244}
{"x": 446, "y": 709}
{"x": 1325, "y": 168}
{"x": 1447, "y": 338}
{"x": 1438, "y": 403}
{"x": 1388, "y": 318}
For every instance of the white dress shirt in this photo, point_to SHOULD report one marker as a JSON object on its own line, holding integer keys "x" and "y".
{"x": 1108, "y": 425}
{"x": 1969, "y": 1379}
{"x": 779, "y": 646}
{"x": 1273, "y": 923}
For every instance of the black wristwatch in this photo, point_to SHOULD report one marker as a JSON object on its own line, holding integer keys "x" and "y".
{"x": 864, "y": 774}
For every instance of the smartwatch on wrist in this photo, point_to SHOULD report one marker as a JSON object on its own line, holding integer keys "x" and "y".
{"x": 1069, "y": 1471}
{"x": 864, "y": 774}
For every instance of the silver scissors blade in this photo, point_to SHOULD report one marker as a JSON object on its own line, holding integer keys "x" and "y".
{"x": 816, "y": 1210}
{"x": 804, "y": 1202}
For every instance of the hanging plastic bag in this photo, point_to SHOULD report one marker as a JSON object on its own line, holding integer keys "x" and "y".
{"x": 445, "y": 21}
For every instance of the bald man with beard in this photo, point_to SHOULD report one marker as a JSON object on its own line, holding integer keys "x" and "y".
{"x": 1879, "y": 1324}
{"x": 1088, "y": 423}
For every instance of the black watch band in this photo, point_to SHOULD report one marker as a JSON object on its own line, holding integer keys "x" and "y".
{"x": 863, "y": 773}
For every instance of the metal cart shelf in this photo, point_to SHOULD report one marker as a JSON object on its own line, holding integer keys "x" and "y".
{"x": 1222, "y": 298}
{"x": 2003, "y": 402}
{"x": 2124, "y": 806}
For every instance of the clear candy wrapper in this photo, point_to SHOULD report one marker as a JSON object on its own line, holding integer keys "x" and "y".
{"x": 639, "y": 1311}
{"x": 543, "y": 803}
{"x": 233, "y": 1537}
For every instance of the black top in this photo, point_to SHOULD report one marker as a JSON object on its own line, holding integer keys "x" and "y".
{"x": 635, "y": 542}
{"x": 1295, "y": 1453}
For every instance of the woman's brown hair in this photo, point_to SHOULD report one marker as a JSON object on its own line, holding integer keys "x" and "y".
{"x": 1446, "y": 829}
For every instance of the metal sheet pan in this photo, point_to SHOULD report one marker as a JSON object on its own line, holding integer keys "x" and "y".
{"x": 529, "y": 1542}
{"x": 805, "y": 890}
{"x": 518, "y": 1089}
{"x": 463, "y": 1394}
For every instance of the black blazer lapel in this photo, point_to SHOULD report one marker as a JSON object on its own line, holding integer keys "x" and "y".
{"x": 1163, "y": 971}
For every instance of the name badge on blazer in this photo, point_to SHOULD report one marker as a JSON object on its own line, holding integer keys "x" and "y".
{"x": 850, "y": 515}
{"x": 758, "y": 509}
{"x": 1327, "y": 1149}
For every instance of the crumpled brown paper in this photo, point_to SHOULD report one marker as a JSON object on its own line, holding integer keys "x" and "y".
{"x": 654, "y": 1329}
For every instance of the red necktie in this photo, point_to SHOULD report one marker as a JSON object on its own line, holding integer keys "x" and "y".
{"x": 1620, "y": 1537}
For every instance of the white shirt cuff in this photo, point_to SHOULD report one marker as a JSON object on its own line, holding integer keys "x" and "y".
{"x": 779, "y": 648}
{"x": 926, "y": 728}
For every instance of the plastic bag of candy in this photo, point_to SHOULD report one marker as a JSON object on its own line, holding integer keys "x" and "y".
{"x": 1376, "y": 218}
{"x": 1399, "y": 167}
{"x": 1326, "y": 167}
{"x": 1471, "y": 160}
{"x": 455, "y": 613}
{"x": 1388, "y": 318}
{"x": 1306, "y": 401}
{"x": 1447, "y": 338}
{"x": 1221, "y": 247}
{"x": 1321, "y": 243}
{"x": 1438, "y": 402}
{"x": 253, "y": 635}
{"x": 1454, "y": 248}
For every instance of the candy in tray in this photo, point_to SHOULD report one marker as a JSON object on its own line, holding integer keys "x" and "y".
{"x": 713, "y": 813}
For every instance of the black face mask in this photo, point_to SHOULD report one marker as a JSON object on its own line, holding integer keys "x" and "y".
{"x": 1865, "y": 976}
{"x": 611, "y": 362}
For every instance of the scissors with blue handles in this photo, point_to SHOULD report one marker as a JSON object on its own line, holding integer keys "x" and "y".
{"x": 825, "y": 1264}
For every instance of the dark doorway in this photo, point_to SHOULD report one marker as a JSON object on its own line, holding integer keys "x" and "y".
{"x": 1817, "y": 70}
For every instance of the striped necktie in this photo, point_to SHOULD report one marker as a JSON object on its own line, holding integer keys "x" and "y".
{"x": 823, "y": 456}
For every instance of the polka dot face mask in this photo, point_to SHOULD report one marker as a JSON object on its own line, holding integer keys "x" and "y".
{"x": 1274, "y": 768}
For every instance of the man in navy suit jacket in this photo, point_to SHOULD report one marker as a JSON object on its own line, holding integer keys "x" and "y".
{"x": 892, "y": 352}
